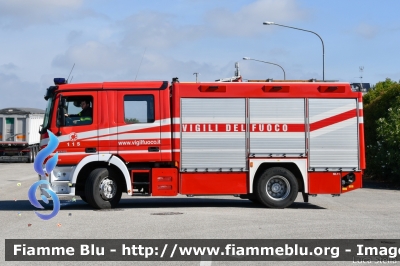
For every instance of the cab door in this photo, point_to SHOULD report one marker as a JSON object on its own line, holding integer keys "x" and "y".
{"x": 78, "y": 136}
{"x": 139, "y": 125}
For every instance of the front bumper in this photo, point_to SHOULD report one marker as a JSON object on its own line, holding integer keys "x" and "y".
{"x": 60, "y": 180}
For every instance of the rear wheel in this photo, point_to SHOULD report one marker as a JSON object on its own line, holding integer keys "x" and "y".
{"x": 102, "y": 190}
{"x": 30, "y": 155}
{"x": 277, "y": 188}
{"x": 35, "y": 151}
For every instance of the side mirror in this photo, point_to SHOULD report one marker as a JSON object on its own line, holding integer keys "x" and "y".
{"x": 61, "y": 112}
{"x": 41, "y": 131}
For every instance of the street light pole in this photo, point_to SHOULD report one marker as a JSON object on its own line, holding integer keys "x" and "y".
{"x": 284, "y": 74}
{"x": 323, "y": 48}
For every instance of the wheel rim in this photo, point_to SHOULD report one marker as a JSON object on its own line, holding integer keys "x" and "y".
{"x": 278, "y": 188}
{"x": 108, "y": 188}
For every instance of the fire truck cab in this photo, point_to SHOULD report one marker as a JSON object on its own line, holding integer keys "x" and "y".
{"x": 264, "y": 141}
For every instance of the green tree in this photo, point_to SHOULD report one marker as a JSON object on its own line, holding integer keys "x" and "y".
{"x": 382, "y": 125}
{"x": 131, "y": 120}
{"x": 379, "y": 89}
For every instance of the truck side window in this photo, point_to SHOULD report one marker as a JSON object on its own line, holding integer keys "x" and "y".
{"x": 139, "y": 109}
{"x": 79, "y": 111}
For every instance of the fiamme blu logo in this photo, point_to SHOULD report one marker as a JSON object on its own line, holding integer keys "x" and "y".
{"x": 38, "y": 166}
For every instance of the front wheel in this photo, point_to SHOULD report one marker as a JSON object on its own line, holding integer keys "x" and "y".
{"x": 102, "y": 190}
{"x": 83, "y": 197}
{"x": 277, "y": 188}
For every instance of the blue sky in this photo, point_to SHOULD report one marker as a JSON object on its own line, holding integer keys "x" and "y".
{"x": 122, "y": 40}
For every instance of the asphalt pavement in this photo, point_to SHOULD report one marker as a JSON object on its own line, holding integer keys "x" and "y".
{"x": 362, "y": 214}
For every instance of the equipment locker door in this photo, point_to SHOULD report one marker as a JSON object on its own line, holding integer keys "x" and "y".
{"x": 213, "y": 134}
{"x": 277, "y": 127}
{"x": 139, "y": 125}
{"x": 333, "y": 134}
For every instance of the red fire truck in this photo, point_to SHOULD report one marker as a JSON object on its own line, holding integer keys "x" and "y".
{"x": 263, "y": 141}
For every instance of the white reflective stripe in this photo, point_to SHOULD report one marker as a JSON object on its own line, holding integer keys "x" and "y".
{"x": 360, "y": 105}
{"x": 176, "y": 120}
{"x": 137, "y": 126}
{"x": 176, "y": 135}
{"x": 166, "y": 121}
{"x": 361, "y": 120}
{"x": 143, "y": 151}
{"x": 213, "y": 135}
{"x": 213, "y": 120}
{"x": 130, "y": 136}
{"x": 197, "y": 151}
{"x": 81, "y": 135}
{"x": 331, "y": 128}
{"x": 278, "y": 120}
{"x": 332, "y": 112}
{"x": 74, "y": 153}
{"x": 165, "y": 135}
{"x": 112, "y": 131}
{"x": 131, "y": 127}
{"x": 275, "y": 135}
{"x": 108, "y": 152}
{"x": 104, "y": 131}
{"x": 138, "y": 136}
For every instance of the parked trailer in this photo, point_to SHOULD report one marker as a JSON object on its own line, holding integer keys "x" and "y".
{"x": 19, "y": 134}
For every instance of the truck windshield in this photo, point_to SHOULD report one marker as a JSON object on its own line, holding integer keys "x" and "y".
{"x": 46, "y": 120}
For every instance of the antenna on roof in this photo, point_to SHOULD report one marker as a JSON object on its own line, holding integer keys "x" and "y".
{"x": 361, "y": 76}
{"x": 140, "y": 63}
{"x": 70, "y": 72}
{"x": 196, "y": 73}
{"x": 361, "y": 72}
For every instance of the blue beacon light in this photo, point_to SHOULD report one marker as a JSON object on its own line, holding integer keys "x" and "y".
{"x": 59, "y": 81}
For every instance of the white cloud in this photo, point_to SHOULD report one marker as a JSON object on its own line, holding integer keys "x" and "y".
{"x": 156, "y": 67}
{"x": 24, "y": 13}
{"x": 8, "y": 67}
{"x": 155, "y": 30}
{"x": 17, "y": 93}
{"x": 94, "y": 56}
{"x": 23, "y": 7}
{"x": 248, "y": 20}
{"x": 367, "y": 31}
{"x": 118, "y": 52}
{"x": 74, "y": 36}
{"x": 98, "y": 62}
{"x": 160, "y": 30}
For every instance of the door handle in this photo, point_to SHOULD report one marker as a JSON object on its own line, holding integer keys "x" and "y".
{"x": 90, "y": 150}
{"x": 153, "y": 149}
